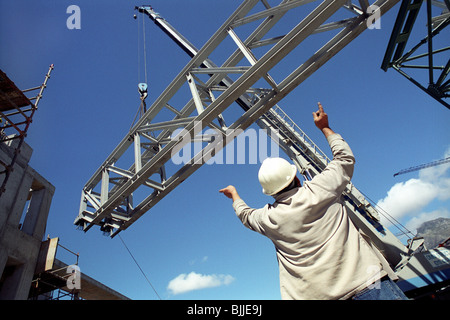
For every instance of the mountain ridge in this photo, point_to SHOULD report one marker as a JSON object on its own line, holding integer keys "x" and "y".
{"x": 434, "y": 232}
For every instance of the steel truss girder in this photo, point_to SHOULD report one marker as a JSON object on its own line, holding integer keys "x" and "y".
{"x": 113, "y": 208}
{"x": 396, "y": 58}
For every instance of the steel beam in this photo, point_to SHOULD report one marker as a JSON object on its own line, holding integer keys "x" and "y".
{"x": 396, "y": 58}
{"x": 255, "y": 101}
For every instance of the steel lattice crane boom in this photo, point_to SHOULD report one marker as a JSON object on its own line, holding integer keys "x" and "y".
{"x": 110, "y": 199}
{"x": 400, "y": 59}
{"x": 423, "y": 166}
{"x": 309, "y": 159}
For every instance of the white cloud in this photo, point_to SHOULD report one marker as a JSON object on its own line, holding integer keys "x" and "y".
{"x": 195, "y": 261}
{"x": 408, "y": 199}
{"x": 195, "y": 281}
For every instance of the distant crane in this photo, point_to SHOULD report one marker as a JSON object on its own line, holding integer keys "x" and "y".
{"x": 423, "y": 166}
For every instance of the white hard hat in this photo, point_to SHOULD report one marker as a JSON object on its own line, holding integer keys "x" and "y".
{"x": 275, "y": 174}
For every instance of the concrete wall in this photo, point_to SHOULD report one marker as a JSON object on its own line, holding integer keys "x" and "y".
{"x": 24, "y": 208}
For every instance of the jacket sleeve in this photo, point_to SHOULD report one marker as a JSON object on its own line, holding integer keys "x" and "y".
{"x": 338, "y": 173}
{"x": 250, "y": 217}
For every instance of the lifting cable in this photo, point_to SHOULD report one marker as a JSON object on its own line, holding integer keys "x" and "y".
{"x": 139, "y": 50}
{"x": 142, "y": 271}
{"x": 142, "y": 107}
{"x": 145, "y": 50}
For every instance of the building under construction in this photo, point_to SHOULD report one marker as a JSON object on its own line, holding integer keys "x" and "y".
{"x": 29, "y": 267}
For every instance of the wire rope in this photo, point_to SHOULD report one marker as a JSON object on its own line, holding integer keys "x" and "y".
{"x": 138, "y": 51}
{"x": 397, "y": 224}
{"x": 144, "y": 45}
{"x": 142, "y": 271}
{"x": 145, "y": 49}
{"x": 140, "y": 110}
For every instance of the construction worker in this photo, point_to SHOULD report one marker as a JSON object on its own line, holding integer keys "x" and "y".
{"x": 321, "y": 254}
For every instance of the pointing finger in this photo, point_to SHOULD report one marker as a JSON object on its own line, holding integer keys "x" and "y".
{"x": 320, "y": 107}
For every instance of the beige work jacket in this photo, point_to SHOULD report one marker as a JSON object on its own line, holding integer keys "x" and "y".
{"x": 321, "y": 254}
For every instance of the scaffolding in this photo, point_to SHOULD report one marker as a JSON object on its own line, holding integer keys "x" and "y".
{"x": 17, "y": 109}
{"x": 56, "y": 280}
{"x": 51, "y": 278}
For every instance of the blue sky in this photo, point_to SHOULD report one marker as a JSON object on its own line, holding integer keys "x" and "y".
{"x": 192, "y": 238}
